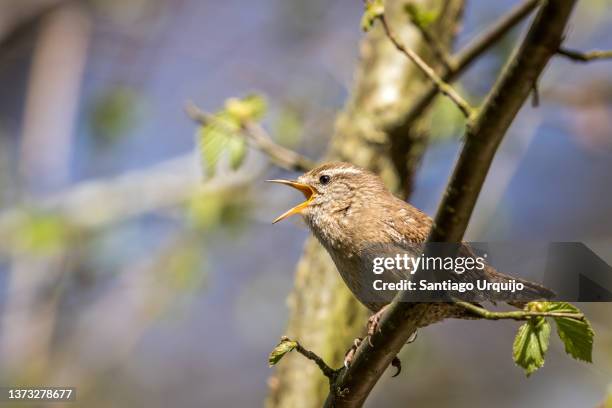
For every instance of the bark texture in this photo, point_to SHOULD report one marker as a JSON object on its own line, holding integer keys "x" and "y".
{"x": 324, "y": 315}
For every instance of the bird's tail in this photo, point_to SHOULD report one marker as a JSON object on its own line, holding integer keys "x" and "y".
{"x": 530, "y": 291}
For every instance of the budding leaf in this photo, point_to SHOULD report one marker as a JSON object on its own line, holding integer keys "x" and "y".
{"x": 237, "y": 149}
{"x": 213, "y": 139}
{"x": 251, "y": 107}
{"x": 576, "y": 335}
{"x": 419, "y": 16}
{"x": 280, "y": 350}
{"x": 531, "y": 344}
{"x": 373, "y": 10}
{"x": 221, "y": 136}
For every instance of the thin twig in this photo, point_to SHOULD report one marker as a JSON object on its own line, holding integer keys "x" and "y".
{"x": 325, "y": 369}
{"x": 281, "y": 156}
{"x": 437, "y": 48}
{"x": 442, "y": 86}
{"x": 515, "y": 314}
{"x": 588, "y": 56}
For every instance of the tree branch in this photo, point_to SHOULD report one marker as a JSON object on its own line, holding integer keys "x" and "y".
{"x": 437, "y": 48}
{"x": 281, "y": 156}
{"x": 502, "y": 104}
{"x": 588, "y": 56}
{"x": 515, "y": 314}
{"x": 440, "y": 84}
{"x": 464, "y": 58}
{"x": 325, "y": 369}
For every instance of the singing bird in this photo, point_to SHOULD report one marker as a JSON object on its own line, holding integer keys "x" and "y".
{"x": 349, "y": 208}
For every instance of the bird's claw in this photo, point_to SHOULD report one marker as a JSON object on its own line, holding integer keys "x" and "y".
{"x": 373, "y": 322}
{"x": 372, "y": 327}
{"x": 397, "y": 364}
{"x": 348, "y": 357}
{"x": 350, "y": 354}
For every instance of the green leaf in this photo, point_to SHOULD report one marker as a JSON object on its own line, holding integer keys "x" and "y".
{"x": 373, "y": 10}
{"x": 211, "y": 142}
{"x": 576, "y": 335}
{"x": 237, "y": 149}
{"x": 221, "y": 134}
{"x": 213, "y": 139}
{"x": 251, "y": 107}
{"x": 280, "y": 350}
{"x": 531, "y": 344}
{"x": 419, "y": 16}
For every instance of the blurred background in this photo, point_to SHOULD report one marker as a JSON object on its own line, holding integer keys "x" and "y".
{"x": 131, "y": 273}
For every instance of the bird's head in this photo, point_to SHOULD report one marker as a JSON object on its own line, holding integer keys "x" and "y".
{"x": 331, "y": 190}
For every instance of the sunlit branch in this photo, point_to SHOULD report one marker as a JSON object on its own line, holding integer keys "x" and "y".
{"x": 257, "y": 135}
{"x": 515, "y": 314}
{"x": 440, "y": 84}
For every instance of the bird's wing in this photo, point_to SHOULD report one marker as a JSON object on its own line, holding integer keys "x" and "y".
{"x": 405, "y": 223}
{"x": 407, "y": 226}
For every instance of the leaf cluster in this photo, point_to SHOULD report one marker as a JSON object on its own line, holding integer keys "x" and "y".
{"x": 221, "y": 136}
{"x": 533, "y": 337}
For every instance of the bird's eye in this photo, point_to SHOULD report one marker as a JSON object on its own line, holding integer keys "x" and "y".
{"x": 324, "y": 179}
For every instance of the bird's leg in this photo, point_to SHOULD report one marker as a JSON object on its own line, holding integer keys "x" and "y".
{"x": 348, "y": 357}
{"x": 350, "y": 354}
{"x": 373, "y": 323}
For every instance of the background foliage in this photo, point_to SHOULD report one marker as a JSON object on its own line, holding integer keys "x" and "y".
{"x": 132, "y": 262}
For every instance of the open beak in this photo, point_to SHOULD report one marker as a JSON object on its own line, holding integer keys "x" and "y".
{"x": 308, "y": 192}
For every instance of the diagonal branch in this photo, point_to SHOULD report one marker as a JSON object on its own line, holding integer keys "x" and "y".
{"x": 588, "y": 56}
{"x": 281, "y": 156}
{"x": 501, "y": 106}
{"x": 440, "y": 84}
